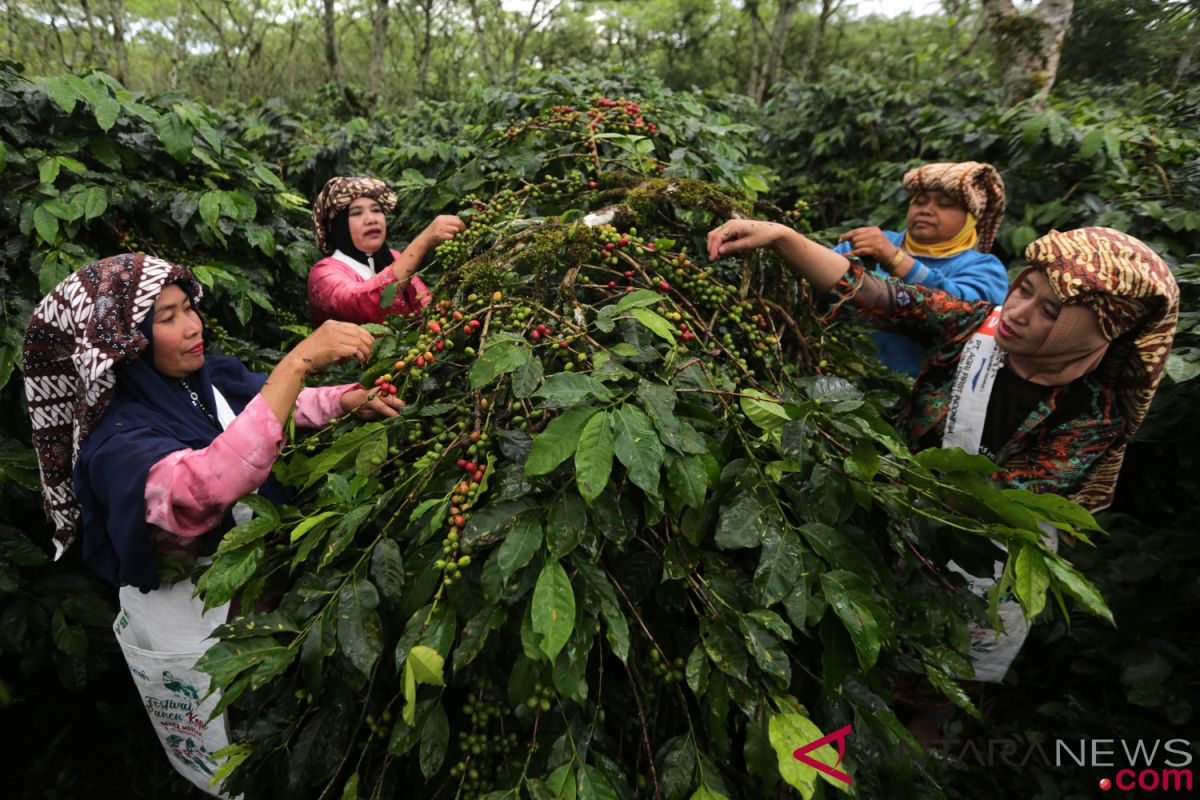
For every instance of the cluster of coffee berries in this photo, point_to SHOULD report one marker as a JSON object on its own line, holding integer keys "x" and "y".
{"x": 480, "y": 751}
{"x": 665, "y": 670}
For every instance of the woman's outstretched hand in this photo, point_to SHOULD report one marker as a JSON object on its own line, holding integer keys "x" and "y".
{"x": 443, "y": 228}
{"x": 332, "y": 342}
{"x": 869, "y": 242}
{"x": 371, "y": 403}
{"x": 818, "y": 265}
{"x": 738, "y": 235}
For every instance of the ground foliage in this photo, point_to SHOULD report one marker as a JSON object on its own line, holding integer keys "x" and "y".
{"x": 690, "y": 541}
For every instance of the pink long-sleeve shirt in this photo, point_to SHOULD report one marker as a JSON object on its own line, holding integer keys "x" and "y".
{"x": 336, "y": 290}
{"x": 189, "y": 491}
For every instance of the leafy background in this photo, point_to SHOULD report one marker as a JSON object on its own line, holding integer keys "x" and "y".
{"x": 89, "y": 168}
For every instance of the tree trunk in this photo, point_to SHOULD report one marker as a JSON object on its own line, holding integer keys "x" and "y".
{"x": 754, "y": 73}
{"x": 378, "y": 49}
{"x": 813, "y": 66}
{"x": 117, "y": 11}
{"x": 91, "y": 26}
{"x": 485, "y": 61}
{"x": 1028, "y": 44}
{"x": 426, "y": 47}
{"x": 776, "y": 43}
{"x": 331, "y": 55}
{"x": 180, "y": 48}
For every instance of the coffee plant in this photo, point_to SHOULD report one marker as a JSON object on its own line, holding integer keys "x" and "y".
{"x": 643, "y": 527}
{"x": 629, "y": 534}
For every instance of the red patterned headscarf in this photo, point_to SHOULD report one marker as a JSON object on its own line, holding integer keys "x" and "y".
{"x": 78, "y": 334}
{"x": 1136, "y": 301}
{"x": 976, "y": 185}
{"x": 336, "y": 197}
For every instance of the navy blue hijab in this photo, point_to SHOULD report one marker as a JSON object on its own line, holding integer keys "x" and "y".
{"x": 151, "y": 416}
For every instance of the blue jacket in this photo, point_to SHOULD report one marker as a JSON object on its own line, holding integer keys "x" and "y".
{"x": 971, "y": 275}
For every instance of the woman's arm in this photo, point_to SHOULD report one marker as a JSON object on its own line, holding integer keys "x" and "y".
{"x": 443, "y": 228}
{"x": 188, "y": 491}
{"x": 927, "y": 315}
{"x": 818, "y": 265}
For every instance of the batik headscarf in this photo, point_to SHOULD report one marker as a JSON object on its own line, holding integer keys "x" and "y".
{"x": 1136, "y": 302}
{"x": 330, "y": 216}
{"x": 976, "y": 185}
{"x": 78, "y": 334}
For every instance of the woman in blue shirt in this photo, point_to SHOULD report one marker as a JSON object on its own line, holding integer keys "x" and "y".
{"x": 953, "y": 215}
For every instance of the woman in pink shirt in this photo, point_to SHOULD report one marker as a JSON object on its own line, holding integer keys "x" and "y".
{"x": 351, "y": 231}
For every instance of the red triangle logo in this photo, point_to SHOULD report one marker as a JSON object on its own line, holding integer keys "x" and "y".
{"x": 801, "y": 754}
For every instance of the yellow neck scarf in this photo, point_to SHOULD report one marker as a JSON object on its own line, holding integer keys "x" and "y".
{"x": 965, "y": 239}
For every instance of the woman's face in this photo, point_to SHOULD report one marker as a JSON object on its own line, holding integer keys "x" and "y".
{"x": 934, "y": 216}
{"x": 178, "y": 334}
{"x": 1030, "y": 311}
{"x": 368, "y": 227}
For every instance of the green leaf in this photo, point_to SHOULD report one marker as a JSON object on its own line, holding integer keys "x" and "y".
{"x": 954, "y": 459}
{"x": 95, "y": 202}
{"x": 746, "y": 522}
{"x": 594, "y": 457}
{"x": 558, "y": 441}
{"x": 848, "y": 597}
{"x": 210, "y": 208}
{"x": 593, "y": 785}
{"x": 176, "y": 136}
{"x": 387, "y": 570}
{"x": 561, "y": 783}
{"x": 422, "y": 665}
{"x": 571, "y": 388}
{"x": 359, "y": 630}
{"x": 262, "y": 238}
{"x": 553, "y": 608}
{"x": 677, "y": 767}
{"x": 62, "y": 92}
{"x": 779, "y": 566}
{"x": 697, "y": 671}
{"x": 48, "y": 170}
{"x": 637, "y": 446}
{"x": 68, "y": 638}
{"x": 1092, "y": 141}
{"x": 565, "y": 524}
{"x": 309, "y": 524}
{"x": 687, "y": 481}
{"x": 1068, "y": 579}
{"x": 46, "y": 224}
{"x": 106, "y": 110}
{"x": 500, "y": 358}
{"x": 225, "y": 660}
{"x": 1032, "y": 580}
{"x": 519, "y": 545}
{"x": 435, "y": 736}
{"x": 659, "y": 326}
{"x": 767, "y": 651}
{"x": 231, "y": 757}
{"x": 763, "y": 411}
{"x": 724, "y": 648}
{"x": 639, "y": 298}
{"x": 228, "y": 572}
{"x": 526, "y": 379}
{"x": 788, "y": 732}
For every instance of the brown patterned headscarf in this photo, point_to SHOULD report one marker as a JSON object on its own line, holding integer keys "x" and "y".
{"x": 78, "y": 334}
{"x": 976, "y": 185}
{"x": 1136, "y": 301}
{"x": 336, "y": 197}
